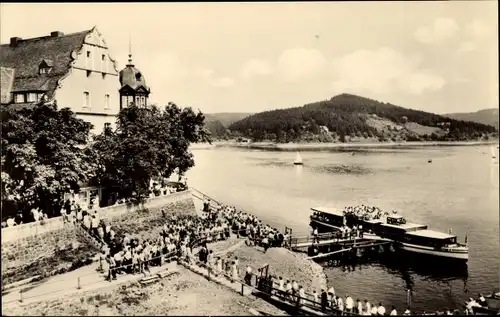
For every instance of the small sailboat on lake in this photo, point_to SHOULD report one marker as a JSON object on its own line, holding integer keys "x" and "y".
{"x": 298, "y": 160}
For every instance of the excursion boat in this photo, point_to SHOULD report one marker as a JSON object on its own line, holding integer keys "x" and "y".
{"x": 327, "y": 219}
{"x": 411, "y": 237}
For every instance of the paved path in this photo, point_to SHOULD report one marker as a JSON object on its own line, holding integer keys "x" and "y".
{"x": 66, "y": 284}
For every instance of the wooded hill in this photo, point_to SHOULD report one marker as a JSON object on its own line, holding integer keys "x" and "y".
{"x": 348, "y": 118}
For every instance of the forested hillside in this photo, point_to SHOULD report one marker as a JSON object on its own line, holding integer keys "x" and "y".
{"x": 348, "y": 117}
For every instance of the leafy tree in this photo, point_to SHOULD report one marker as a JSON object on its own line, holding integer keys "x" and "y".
{"x": 44, "y": 156}
{"x": 148, "y": 143}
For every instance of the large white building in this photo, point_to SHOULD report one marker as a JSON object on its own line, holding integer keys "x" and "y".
{"x": 74, "y": 70}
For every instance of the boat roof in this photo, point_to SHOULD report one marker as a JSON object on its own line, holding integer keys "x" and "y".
{"x": 406, "y": 226}
{"x": 329, "y": 210}
{"x": 373, "y": 221}
{"x": 431, "y": 234}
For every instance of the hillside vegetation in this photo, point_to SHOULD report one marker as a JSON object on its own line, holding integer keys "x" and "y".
{"x": 350, "y": 118}
{"x": 485, "y": 116}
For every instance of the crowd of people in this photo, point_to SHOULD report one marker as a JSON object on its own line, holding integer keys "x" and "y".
{"x": 180, "y": 234}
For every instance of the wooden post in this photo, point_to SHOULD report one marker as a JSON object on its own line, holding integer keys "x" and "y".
{"x": 208, "y": 269}
{"x": 78, "y": 286}
{"x": 409, "y": 298}
{"x": 21, "y": 294}
{"x": 242, "y": 289}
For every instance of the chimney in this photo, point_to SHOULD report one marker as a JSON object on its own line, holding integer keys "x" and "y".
{"x": 56, "y": 34}
{"x": 14, "y": 41}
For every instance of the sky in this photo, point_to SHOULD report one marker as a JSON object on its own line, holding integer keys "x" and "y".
{"x": 439, "y": 57}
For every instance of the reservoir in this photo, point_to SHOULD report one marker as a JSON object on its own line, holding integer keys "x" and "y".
{"x": 458, "y": 190}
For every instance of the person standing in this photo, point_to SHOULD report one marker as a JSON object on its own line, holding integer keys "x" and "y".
{"x": 368, "y": 308}
{"x": 349, "y": 304}
{"x": 393, "y": 311}
{"x": 324, "y": 300}
{"x": 315, "y": 298}
{"x": 302, "y": 295}
{"x": 235, "y": 272}
{"x": 380, "y": 310}
{"x": 359, "y": 305}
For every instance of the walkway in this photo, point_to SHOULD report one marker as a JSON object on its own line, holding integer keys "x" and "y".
{"x": 67, "y": 284}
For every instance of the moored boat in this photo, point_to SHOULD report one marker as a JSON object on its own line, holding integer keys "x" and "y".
{"x": 411, "y": 237}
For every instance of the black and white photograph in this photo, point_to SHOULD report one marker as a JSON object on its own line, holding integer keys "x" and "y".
{"x": 330, "y": 158}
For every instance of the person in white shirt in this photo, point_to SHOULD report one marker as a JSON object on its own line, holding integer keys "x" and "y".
{"x": 295, "y": 287}
{"x": 368, "y": 308}
{"x": 340, "y": 303}
{"x": 302, "y": 295}
{"x": 393, "y": 311}
{"x": 315, "y": 298}
{"x": 281, "y": 284}
{"x": 11, "y": 222}
{"x": 407, "y": 312}
{"x": 374, "y": 311}
{"x": 36, "y": 214}
{"x": 359, "y": 305}
{"x": 349, "y": 304}
{"x": 380, "y": 310}
{"x": 289, "y": 288}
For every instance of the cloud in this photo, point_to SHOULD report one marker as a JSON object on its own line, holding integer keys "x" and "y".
{"x": 295, "y": 64}
{"x": 222, "y": 82}
{"x": 209, "y": 76}
{"x": 466, "y": 47}
{"x": 383, "y": 71}
{"x": 255, "y": 67}
{"x": 441, "y": 29}
{"x": 172, "y": 65}
{"x": 477, "y": 29}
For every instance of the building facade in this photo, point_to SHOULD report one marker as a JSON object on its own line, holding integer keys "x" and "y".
{"x": 74, "y": 70}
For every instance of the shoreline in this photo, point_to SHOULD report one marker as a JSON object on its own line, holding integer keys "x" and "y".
{"x": 337, "y": 146}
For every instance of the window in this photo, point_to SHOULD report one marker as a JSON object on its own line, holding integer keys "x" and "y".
{"x": 19, "y": 98}
{"x": 106, "y": 102}
{"x": 143, "y": 101}
{"x": 124, "y": 102}
{"x": 86, "y": 99}
{"x": 45, "y": 70}
{"x": 40, "y": 96}
{"x": 32, "y": 97}
{"x": 89, "y": 60}
{"x": 104, "y": 65}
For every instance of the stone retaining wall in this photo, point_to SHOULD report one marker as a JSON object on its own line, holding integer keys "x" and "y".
{"x": 29, "y": 242}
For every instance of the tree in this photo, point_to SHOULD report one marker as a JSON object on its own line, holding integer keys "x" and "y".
{"x": 44, "y": 156}
{"x": 148, "y": 142}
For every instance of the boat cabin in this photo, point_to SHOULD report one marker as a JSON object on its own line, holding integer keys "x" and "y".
{"x": 396, "y": 226}
{"x": 430, "y": 238}
{"x": 371, "y": 225}
{"x": 327, "y": 218}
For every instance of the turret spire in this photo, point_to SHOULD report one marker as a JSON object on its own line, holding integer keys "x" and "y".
{"x": 130, "y": 50}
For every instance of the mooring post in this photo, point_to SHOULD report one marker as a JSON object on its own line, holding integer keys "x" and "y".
{"x": 78, "y": 286}
{"x": 408, "y": 298}
{"x": 21, "y": 294}
{"x": 208, "y": 269}
{"x": 242, "y": 289}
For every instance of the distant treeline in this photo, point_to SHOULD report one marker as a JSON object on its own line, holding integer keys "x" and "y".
{"x": 347, "y": 115}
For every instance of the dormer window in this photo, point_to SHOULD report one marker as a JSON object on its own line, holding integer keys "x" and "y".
{"x": 45, "y": 66}
{"x": 138, "y": 76}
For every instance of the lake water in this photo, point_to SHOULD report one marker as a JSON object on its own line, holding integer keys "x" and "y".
{"x": 458, "y": 190}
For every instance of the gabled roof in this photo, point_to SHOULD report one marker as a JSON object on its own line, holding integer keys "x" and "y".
{"x": 6, "y": 82}
{"x": 27, "y": 55}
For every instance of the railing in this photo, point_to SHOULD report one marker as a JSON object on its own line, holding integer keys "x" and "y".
{"x": 293, "y": 299}
{"x": 335, "y": 236}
